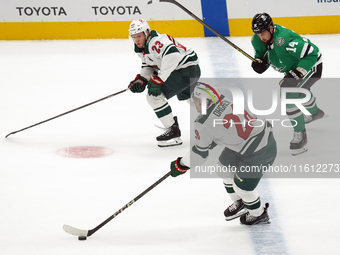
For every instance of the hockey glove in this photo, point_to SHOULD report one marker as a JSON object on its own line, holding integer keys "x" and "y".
{"x": 138, "y": 84}
{"x": 212, "y": 145}
{"x": 177, "y": 168}
{"x": 154, "y": 85}
{"x": 260, "y": 65}
{"x": 293, "y": 78}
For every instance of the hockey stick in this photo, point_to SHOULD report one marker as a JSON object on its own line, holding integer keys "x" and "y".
{"x": 206, "y": 25}
{"x": 62, "y": 114}
{"x": 80, "y": 232}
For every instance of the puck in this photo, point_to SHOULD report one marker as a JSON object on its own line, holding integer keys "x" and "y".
{"x": 82, "y": 238}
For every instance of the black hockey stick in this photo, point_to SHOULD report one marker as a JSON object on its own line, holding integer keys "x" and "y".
{"x": 206, "y": 25}
{"x": 80, "y": 232}
{"x": 62, "y": 114}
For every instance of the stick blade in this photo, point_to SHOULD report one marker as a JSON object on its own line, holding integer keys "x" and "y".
{"x": 9, "y": 134}
{"x": 75, "y": 231}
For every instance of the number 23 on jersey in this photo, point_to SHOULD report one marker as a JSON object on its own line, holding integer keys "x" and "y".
{"x": 158, "y": 45}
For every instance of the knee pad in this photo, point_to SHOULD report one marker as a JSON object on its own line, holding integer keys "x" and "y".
{"x": 156, "y": 102}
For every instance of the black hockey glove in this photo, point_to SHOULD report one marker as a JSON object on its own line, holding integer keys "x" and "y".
{"x": 177, "y": 168}
{"x": 291, "y": 79}
{"x": 138, "y": 84}
{"x": 212, "y": 145}
{"x": 260, "y": 65}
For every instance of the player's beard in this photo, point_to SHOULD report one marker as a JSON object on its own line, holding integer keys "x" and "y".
{"x": 270, "y": 41}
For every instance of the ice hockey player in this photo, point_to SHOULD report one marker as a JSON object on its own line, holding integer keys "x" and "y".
{"x": 300, "y": 61}
{"x": 245, "y": 145}
{"x": 168, "y": 69}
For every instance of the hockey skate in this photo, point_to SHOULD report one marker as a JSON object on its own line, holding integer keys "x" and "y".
{"x": 235, "y": 210}
{"x": 318, "y": 115}
{"x": 299, "y": 143}
{"x": 171, "y": 137}
{"x": 252, "y": 220}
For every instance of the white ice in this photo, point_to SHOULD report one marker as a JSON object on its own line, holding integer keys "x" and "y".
{"x": 41, "y": 191}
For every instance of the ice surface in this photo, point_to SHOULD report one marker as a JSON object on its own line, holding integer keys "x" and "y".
{"x": 41, "y": 191}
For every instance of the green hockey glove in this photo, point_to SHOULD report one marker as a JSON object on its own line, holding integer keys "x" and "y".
{"x": 138, "y": 84}
{"x": 177, "y": 168}
{"x": 154, "y": 86}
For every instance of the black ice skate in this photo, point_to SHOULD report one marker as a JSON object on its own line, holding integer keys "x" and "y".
{"x": 235, "y": 210}
{"x": 252, "y": 220}
{"x": 299, "y": 143}
{"x": 318, "y": 115}
{"x": 171, "y": 137}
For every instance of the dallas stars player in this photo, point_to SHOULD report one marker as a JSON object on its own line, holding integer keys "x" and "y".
{"x": 299, "y": 59}
{"x": 169, "y": 69}
{"x": 246, "y": 146}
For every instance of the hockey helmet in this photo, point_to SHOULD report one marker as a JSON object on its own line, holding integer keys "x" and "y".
{"x": 138, "y": 26}
{"x": 203, "y": 90}
{"x": 261, "y": 22}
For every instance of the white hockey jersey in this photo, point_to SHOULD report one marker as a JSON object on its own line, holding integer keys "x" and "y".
{"x": 242, "y": 133}
{"x": 162, "y": 53}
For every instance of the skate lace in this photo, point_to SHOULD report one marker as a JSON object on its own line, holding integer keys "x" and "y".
{"x": 250, "y": 218}
{"x": 297, "y": 137}
{"x": 166, "y": 130}
{"x": 234, "y": 206}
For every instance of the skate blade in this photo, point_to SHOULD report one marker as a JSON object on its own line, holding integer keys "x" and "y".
{"x": 260, "y": 222}
{"x": 266, "y": 221}
{"x": 299, "y": 151}
{"x": 237, "y": 215}
{"x": 172, "y": 142}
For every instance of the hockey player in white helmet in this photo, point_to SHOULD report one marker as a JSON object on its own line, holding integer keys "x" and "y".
{"x": 245, "y": 146}
{"x": 168, "y": 69}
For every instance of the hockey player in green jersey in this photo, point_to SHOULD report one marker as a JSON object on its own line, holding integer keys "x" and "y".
{"x": 247, "y": 145}
{"x": 299, "y": 60}
{"x": 168, "y": 69}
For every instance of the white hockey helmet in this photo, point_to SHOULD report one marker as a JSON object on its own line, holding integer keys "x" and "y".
{"x": 138, "y": 26}
{"x": 203, "y": 90}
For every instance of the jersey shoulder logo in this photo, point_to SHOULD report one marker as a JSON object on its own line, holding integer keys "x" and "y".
{"x": 280, "y": 41}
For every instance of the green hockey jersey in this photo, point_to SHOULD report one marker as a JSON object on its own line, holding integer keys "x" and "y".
{"x": 288, "y": 51}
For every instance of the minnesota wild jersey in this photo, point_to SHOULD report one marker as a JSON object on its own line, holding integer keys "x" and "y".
{"x": 242, "y": 133}
{"x": 288, "y": 50}
{"x": 164, "y": 54}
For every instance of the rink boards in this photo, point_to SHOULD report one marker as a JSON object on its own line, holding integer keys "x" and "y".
{"x": 103, "y": 19}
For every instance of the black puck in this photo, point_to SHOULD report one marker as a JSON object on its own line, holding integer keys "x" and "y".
{"x": 82, "y": 238}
